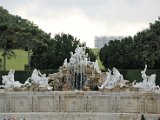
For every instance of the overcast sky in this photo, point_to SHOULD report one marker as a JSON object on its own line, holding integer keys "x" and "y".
{"x": 86, "y": 19}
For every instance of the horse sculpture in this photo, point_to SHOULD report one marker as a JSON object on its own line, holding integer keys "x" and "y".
{"x": 8, "y": 80}
{"x": 113, "y": 80}
{"x": 40, "y": 79}
{"x": 148, "y": 82}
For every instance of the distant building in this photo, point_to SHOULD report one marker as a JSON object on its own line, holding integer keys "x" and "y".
{"x": 100, "y": 41}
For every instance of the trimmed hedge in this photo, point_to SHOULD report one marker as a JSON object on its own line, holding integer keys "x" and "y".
{"x": 136, "y": 75}
{"x": 131, "y": 75}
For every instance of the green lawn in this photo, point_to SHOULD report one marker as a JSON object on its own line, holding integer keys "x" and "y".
{"x": 21, "y": 58}
{"x": 18, "y": 61}
{"x": 96, "y": 51}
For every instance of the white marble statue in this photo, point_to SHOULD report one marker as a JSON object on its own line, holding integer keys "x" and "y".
{"x": 151, "y": 82}
{"x": 148, "y": 82}
{"x": 40, "y": 79}
{"x": 116, "y": 75}
{"x": 143, "y": 84}
{"x": 28, "y": 82}
{"x": 80, "y": 50}
{"x": 96, "y": 67}
{"x": 108, "y": 78}
{"x": 80, "y": 66}
{"x": 79, "y": 57}
{"x": 65, "y": 64}
{"x": 72, "y": 60}
{"x": 113, "y": 80}
{"x": 8, "y": 80}
{"x": 144, "y": 76}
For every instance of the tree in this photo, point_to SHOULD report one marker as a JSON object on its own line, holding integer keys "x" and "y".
{"x": 50, "y": 53}
{"x": 44, "y": 52}
{"x": 1, "y": 63}
{"x": 92, "y": 56}
{"x": 17, "y": 33}
{"x": 6, "y": 35}
{"x": 133, "y": 53}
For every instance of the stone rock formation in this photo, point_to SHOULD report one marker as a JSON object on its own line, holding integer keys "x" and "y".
{"x": 77, "y": 74}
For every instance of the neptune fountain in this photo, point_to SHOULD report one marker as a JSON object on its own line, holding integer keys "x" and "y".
{"x": 70, "y": 93}
{"x": 79, "y": 74}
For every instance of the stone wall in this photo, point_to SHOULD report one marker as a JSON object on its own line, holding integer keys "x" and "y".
{"x": 72, "y": 105}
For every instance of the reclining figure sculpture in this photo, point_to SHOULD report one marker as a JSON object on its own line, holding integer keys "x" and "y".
{"x": 36, "y": 77}
{"x": 39, "y": 79}
{"x": 148, "y": 82}
{"x": 8, "y": 80}
{"x": 113, "y": 80}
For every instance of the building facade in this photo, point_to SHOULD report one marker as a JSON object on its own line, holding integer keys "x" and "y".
{"x": 100, "y": 41}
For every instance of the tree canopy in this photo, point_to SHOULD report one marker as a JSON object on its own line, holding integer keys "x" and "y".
{"x": 134, "y": 52}
{"x": 16, "y": 32}
{"x": 51, "y": 54}
{"x": 47, "y": 52}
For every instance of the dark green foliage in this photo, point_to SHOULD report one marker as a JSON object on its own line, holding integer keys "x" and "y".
{"x": 51, "y": 53}
{"x": 1, "y": 63}
{"x": 134, "y": 53}
{"x": 91, "y": 54}
{"x": 132, "y": 75}
{"x": 47, "y": 52}
{"x": 136, "y": 74}
{"x": 16, "y": 33}
{"x": 64, "y": 44}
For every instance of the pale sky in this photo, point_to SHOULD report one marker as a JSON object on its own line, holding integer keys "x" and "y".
{"x": 86, "y": 19}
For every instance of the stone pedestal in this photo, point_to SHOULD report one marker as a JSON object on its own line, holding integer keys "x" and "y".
{"x": 70, "y": 105}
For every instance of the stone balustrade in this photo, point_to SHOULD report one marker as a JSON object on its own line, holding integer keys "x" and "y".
{"x": 80, "y": 105}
